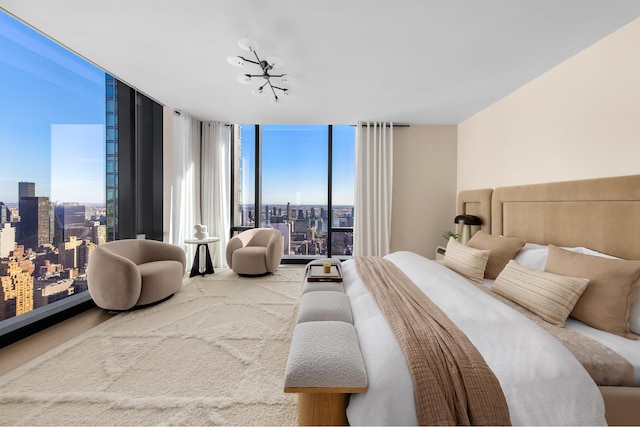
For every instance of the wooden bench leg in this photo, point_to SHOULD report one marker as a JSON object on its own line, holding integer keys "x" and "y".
{"x": 322, "y": 409}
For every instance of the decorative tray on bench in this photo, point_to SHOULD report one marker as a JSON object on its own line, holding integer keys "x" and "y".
{"x": 316, "y": 274}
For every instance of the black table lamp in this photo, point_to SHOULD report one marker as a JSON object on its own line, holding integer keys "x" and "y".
{"x": 466, "y": 221}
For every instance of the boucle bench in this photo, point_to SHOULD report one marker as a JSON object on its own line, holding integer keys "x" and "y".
{"x": 325, "y": 363}
{"x": 326, "y": 305}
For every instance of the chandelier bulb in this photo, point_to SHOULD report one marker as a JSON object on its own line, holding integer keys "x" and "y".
{"x": 236, "y": 61}
{"x": 275, "y": 62}
{"x": 248, "y": 44}
{"x": 243, "y": 78}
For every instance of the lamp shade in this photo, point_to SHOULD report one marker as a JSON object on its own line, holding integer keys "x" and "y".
{"x": 468, "y": 220}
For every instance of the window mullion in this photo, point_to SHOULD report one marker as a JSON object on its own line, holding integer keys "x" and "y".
{"x": 258, "y": 177}
{"x": 329, "y": 190}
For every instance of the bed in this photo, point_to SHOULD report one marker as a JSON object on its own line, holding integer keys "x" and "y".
{"x": 592, "y": 218}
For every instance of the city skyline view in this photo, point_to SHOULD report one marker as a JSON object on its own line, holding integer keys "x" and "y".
{"x": 52, "y": 127}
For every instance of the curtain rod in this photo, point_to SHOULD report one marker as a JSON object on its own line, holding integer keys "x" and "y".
{"x": 395, "y": 125}
{"x": 201, "y": 121}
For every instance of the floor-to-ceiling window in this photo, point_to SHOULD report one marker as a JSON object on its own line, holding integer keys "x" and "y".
{"x": 298, "y": 179}
{"x": 71, "y": 138}
{"x": 52, "y": 170}
{"x": 52, "y": 174}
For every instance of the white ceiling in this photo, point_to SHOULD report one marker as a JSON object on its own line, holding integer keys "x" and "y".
{"x": 406, "y": 61}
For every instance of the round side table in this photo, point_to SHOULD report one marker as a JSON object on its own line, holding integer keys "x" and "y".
{"x": 202, "y": 261}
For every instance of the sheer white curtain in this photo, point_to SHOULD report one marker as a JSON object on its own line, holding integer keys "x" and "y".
{"x": 185, "y": 185}
{"x": 215, "y": 185}
{"x": 374, "y": 182}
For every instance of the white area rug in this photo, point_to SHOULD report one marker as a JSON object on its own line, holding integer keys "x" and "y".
{"x": 213, "y": 354}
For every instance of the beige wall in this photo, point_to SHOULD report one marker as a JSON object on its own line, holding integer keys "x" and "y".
{"x": 579, "y": 120}
{"x": 424, "y": 187}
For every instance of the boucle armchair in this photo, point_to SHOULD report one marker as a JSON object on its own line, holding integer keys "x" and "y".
{"x": 255, "y": 252}
{"x": 126, "y": 273}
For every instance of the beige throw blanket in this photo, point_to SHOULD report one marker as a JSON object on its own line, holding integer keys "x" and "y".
{"x": 606, "y": 367}
{"x": 452, "y": 383}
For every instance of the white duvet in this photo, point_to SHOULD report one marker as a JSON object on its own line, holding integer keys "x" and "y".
{"x": 542, "y": 381}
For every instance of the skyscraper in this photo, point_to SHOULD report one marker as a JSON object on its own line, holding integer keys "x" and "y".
{"x": 36, "y": 217}
{"x": 35, "y": 221}
{"x": 5, "y": 214}
{"x": 7, "y": 239}
{"x": 111, "y": 88}
{"x": 26, "y": 189}
{"x": 70, "y": 219}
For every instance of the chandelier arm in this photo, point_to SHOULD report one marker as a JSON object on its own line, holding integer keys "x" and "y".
{"x": 248, "y": 60}
{"x": 272, "y": 89}
{"x": 257, "y": 58}
{"x": 280, "y": 88}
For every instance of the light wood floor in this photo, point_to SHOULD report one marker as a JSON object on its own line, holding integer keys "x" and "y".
{"x": 30, "y": 347}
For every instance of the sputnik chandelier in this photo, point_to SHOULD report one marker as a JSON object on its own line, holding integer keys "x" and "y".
{"x": 266, "y": 66}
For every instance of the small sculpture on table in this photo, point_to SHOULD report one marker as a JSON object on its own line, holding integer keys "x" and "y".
{"x": 201, "y": 231}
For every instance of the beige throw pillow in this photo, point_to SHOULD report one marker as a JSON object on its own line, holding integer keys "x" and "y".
{"x": 606, "y": 302}
{"x": 503, "y": 249}
{"x": 465, "y": 260}
{"x": 550, "y": 296}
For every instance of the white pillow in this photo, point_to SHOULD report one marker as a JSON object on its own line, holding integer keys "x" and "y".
{"x": 532, "y": 256}
{"x": 588, "y": 251}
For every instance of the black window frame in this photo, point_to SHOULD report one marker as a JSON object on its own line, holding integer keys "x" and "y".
{"x": 258, "y": 194}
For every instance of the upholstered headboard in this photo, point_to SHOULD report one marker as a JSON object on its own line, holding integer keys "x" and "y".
{"x": 602, "y": 213}
{"x": 478, "y": 203}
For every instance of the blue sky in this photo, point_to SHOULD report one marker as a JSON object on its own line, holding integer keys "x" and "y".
{"x": 49, "y": 97}
{"x": 52, "y": 113}
{"x": 294, "y": 164}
